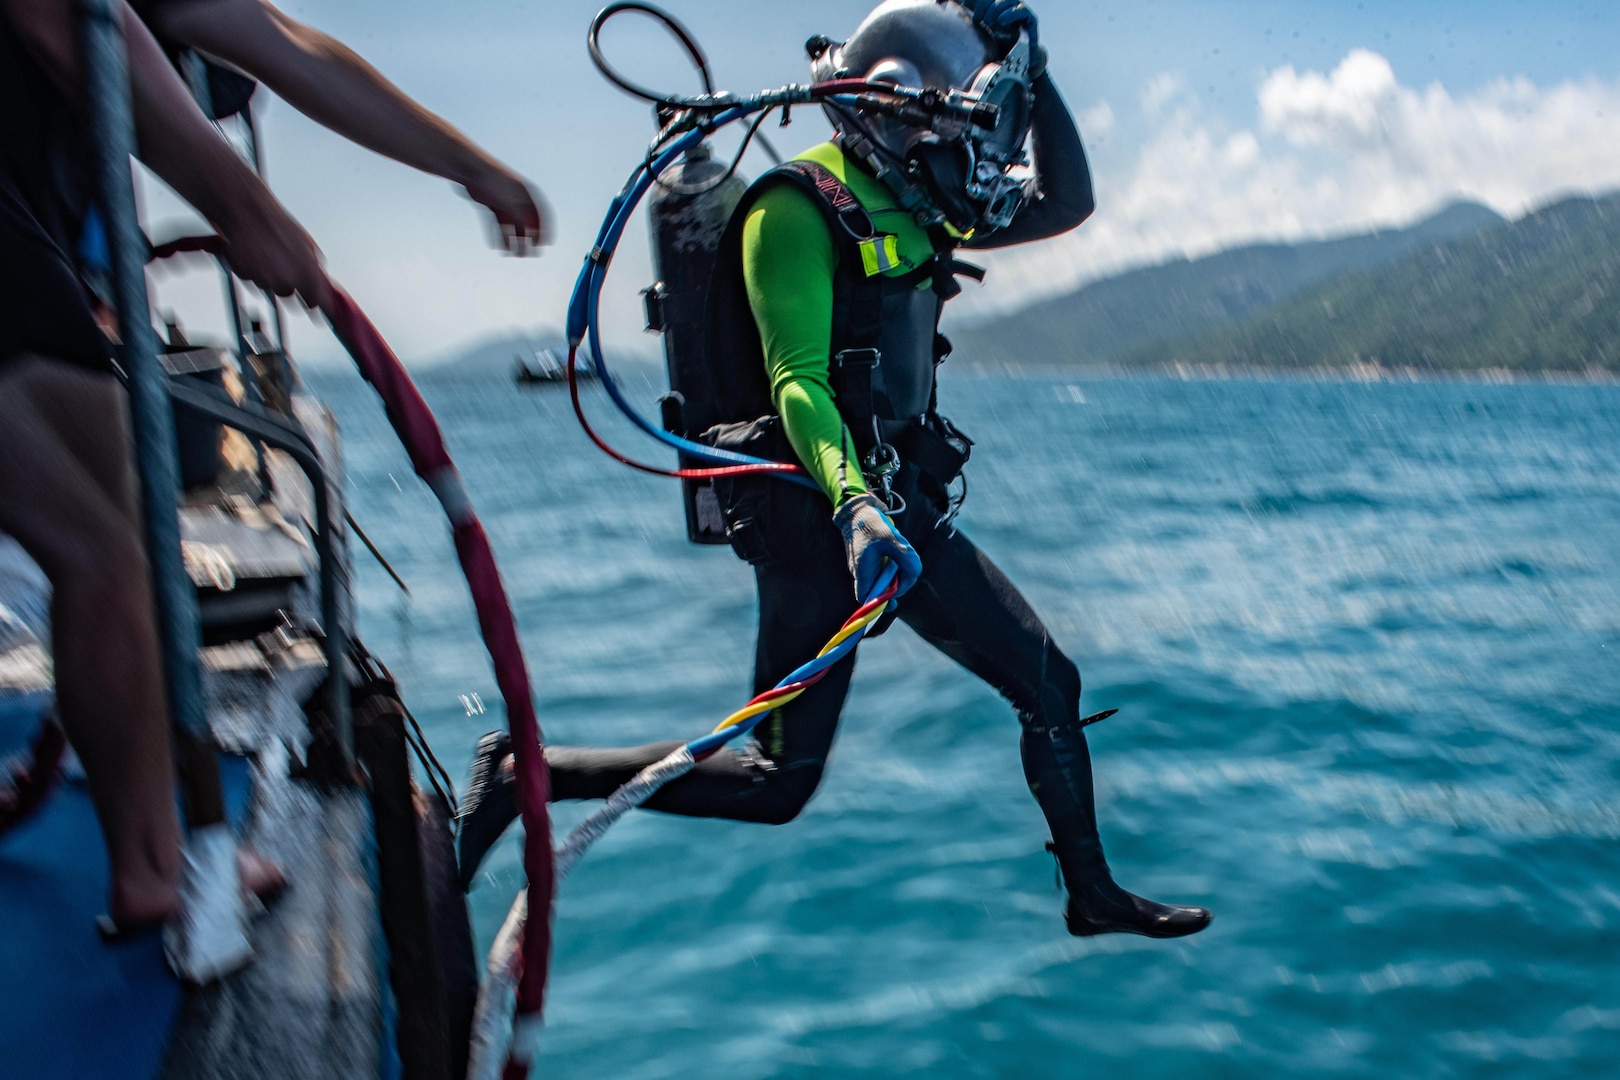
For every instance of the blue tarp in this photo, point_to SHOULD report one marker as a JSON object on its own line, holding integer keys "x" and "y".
{"x": 70, "y": 1004}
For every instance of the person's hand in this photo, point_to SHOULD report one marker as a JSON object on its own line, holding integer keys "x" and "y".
{"x": 870, "y": 539}
{"x": 267, "y": 247}
{"x": 520, "y": 215}
{"x": 1002, "y": 19}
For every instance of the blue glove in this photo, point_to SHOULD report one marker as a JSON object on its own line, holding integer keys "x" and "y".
{"x": 870, "y": 538}
{"x": 1002, "y": 19}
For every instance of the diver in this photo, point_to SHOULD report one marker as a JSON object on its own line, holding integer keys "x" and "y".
{"x": 823, "y": 335}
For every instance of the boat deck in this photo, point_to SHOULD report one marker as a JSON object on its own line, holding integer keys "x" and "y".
{"x": 311, "y": 1004}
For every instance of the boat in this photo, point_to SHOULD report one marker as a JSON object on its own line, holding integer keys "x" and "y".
{"x": 547, "y": 367}
{"x": 365, "y": 966}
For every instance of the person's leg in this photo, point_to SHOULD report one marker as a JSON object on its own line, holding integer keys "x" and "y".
{"x": 104, "y": 640}
{"x": 967, "y": 608}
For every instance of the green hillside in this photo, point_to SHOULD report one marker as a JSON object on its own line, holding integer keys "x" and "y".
{"x": 1542, "y": 294}
{"x": 1109, "y": 319}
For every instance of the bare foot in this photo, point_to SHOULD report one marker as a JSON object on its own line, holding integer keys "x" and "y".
{"x": 139, "y": 904}
{"x": 146, "y": 902}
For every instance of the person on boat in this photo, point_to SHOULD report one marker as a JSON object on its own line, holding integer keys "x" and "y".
{"x": 67, "y": 482}
{"x": 845, "y": 250}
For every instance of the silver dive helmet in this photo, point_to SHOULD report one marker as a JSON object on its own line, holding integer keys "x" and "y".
{"x": 946, "y": 173}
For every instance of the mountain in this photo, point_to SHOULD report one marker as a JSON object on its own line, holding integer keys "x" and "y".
{"x": 1542, "y": 294}
{"x": 1110, "y": 319}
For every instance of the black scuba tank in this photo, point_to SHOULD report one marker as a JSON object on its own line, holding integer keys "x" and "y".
{"x": 688, "y": 213}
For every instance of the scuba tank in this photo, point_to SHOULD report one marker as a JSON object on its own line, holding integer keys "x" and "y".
{"x": 688, "y": 212}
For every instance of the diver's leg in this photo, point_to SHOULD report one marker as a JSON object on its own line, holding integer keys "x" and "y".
{"x": 805, "y": 595}
{"x": 967, "y": 608}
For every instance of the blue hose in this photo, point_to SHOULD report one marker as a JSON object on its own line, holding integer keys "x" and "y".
{"x": 584, "y": 307}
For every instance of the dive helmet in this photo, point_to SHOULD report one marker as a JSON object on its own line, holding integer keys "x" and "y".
{"x": 945, "y": 173}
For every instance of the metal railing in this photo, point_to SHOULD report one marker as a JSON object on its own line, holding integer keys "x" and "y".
{"x": 112, "y": 126}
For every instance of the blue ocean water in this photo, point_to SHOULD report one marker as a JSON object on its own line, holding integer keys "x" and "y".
{"x": 1365, "y": 641}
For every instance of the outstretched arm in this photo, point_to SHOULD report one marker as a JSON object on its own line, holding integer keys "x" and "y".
{"x": 265, "y": 244}
{"x": 1059, "y": 196}
{"x": 788, "y": 267}
{"x": 334, "y": 86}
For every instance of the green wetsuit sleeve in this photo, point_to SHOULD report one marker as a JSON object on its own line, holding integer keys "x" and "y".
{"x": 788, "y": 267}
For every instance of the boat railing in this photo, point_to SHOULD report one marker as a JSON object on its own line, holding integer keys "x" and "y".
{"x": 257, "y": 418}
{"x": 288, "y": 436}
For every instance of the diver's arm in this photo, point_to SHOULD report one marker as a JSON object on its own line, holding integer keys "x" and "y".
{"x": 1059, "y": 197}
{"x": 265, "y": 244}
{"x": 334, "y": 86}
{"x": 788, "y": 267}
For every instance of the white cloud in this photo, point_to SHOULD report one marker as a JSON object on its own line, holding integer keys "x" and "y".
{"x": 1098, "y": 121}
{"x": 1159, "y": 92}
{"x": 1326, "y": 152}
{"x": 1348, "y": 107}
{"x": 1508, "y": 144}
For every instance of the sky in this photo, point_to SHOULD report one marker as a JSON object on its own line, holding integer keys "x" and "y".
{"x": 1208, "y": 124}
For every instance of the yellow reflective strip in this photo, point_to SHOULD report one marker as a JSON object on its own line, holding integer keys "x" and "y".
{"x": 880, "y": 254}
{"x": 869, "y": 258}
{"x": 890, "y": 251}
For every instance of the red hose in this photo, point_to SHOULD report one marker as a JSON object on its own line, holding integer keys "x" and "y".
{"x": 778, "y": 468}
{"x": 424, "y": 443}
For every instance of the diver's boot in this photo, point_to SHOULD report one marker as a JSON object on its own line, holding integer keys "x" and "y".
{"x": 488, "y": 806}
{"x": 1057, "y": 764}
{"x": 1097, "y": 905}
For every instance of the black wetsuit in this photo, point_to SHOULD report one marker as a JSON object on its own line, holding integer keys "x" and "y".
{"x": 963, "y": 605}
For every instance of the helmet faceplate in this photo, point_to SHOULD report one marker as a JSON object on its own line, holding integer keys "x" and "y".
{"x": 951, "y": 176}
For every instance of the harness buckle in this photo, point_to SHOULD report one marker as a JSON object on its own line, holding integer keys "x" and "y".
{"x": 880, "y": 466}
{"x": 953, "y": 506}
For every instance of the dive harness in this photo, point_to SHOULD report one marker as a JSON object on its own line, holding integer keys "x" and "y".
{"x": 883, "y": 441}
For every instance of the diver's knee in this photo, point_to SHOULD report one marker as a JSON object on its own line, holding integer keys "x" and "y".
{"x": 790, "y": 792}
{"x": 1062, "y": 674}
{"x": 1057, "y": 700}
{"x": 779, "y": 812}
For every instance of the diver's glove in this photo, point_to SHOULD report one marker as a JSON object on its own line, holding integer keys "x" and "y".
{"x": 870, "y": 538}
{"x": 1002, "y": 19}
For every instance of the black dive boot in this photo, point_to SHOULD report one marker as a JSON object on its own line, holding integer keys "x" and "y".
{"x": 488, "y": 805}
{"x": 1057, "y": 764}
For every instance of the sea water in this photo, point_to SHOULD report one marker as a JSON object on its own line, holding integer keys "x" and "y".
{"x": 1365, "y": 644}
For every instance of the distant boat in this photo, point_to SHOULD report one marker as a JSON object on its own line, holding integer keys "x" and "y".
{"x": 548, "y": 367}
